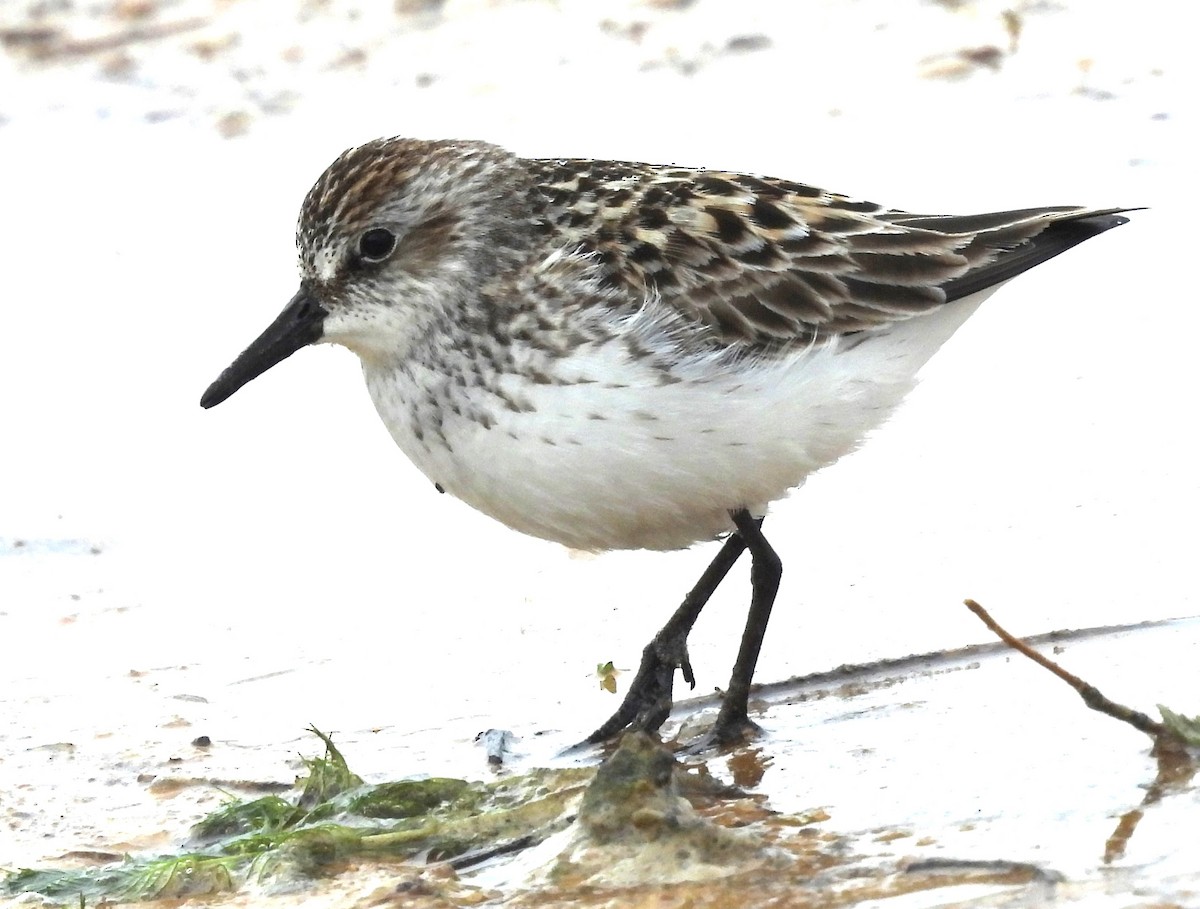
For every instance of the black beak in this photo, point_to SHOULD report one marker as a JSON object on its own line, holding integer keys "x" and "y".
{"x": 301, "y": 323}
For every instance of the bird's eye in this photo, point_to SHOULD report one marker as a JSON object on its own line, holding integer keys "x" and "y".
{"x": 376, "y": 244}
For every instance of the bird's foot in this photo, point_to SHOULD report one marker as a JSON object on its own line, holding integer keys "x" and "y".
{"x": 647, "y": 704}
{"x": 732, "y": 727}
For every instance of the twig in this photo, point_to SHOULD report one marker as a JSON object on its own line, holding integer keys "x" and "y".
{"x": 458, "y": 863}
{"x": 1175, "y": 765}
{"x": 1090, "y": 694}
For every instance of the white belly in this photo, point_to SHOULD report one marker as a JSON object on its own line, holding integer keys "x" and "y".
{"x": 626, "y": 462}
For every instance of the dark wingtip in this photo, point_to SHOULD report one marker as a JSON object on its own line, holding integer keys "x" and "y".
{"x": 1057, "y": 237}
{"x": 1099, "y": 223}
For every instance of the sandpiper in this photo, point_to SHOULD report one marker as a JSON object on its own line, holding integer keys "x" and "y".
{"x": 615, "y": 355}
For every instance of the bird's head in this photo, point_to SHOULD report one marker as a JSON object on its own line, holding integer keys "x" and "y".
{"x": 394, "y": 236}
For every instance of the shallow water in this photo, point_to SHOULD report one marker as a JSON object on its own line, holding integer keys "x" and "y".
{"x": 977, "y": 760}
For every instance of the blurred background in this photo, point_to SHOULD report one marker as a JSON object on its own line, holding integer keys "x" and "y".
{"x": 167, "y": 572}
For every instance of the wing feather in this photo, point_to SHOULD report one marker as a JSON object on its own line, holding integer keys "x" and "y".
{"x": 758, "y": 260}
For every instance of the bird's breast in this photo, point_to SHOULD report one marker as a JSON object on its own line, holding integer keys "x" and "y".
{"x": 601, "y": 450}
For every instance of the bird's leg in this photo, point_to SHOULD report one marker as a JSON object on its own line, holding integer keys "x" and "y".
{"x": 733, "y": 721}
{"x": 648, "y": 701}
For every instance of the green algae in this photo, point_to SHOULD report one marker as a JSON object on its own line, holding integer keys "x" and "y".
{"x": 334, "y": 818}
{"x": 1186, "y": 728}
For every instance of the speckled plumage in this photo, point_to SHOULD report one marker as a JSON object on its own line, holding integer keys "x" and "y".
{"x": 619, "y": 355}
{"x": 614, "y": 355}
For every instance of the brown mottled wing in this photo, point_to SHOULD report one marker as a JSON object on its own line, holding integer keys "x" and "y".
{"x": 800, "y": 267}
{"x": 765, "y": 260}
